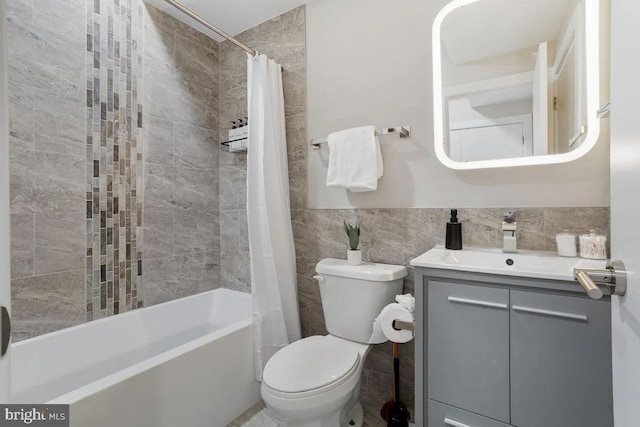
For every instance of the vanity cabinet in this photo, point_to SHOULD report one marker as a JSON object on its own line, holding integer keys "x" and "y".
{"x": 560, "y": 360}
{"x": 468, "y": 348}
{"x": 497, "y": 350}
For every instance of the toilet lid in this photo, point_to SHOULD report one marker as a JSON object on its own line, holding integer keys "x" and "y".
{"x": 309, "y": 363}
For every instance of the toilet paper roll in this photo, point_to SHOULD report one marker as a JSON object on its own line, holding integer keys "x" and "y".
{"x": 388, "y": 315}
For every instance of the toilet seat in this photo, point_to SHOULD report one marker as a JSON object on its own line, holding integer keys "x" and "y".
{"x": 310, "y": 366}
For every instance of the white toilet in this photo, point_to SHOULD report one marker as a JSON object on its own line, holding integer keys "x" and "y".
{"x": 315, "y": 382}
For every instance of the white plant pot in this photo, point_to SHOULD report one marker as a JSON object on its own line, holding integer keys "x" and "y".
{"x": 354, "y": 257}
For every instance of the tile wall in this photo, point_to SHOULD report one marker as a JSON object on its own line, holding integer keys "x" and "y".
{"x": 81, "y": 196}
{"x": 47, "y": 108}
{"x": 181, "y": 250}
{"x": 114, "y": 60}
{"x": 282, "y": 39}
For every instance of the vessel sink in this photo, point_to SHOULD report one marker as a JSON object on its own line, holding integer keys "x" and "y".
{"x": 536, "y": 264}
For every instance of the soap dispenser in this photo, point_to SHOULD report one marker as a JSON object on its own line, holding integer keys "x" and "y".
{"x": 454, "y": 232}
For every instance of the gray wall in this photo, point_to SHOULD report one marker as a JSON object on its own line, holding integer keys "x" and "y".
{"x": 47, "y": 164}
{"x": 282, "y": 39}
{"x": 90, "y": 81}
{"x": 181, "y": 250}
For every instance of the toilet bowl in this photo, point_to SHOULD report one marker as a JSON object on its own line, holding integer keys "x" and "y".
{"x": 315, "y": 382}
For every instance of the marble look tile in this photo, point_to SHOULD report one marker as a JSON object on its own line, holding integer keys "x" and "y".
{"x": 159, "y": 39}
{"x": 382, "y": 235}
{"x": 298, "y": 184}
{"x": 196, "y": 37}
{"x": 294, "y": 17}
{"x": 295, "y": 95}
{"x": 195, "y": 147}
{"x": 256, "y": 416}
{"x": 59, "y": 242}
{"x": 229, "y": 234}
{"x": 21, "y": 117}
{"x": 530, "y": 234}
{"x": 234, "y": 273}
{"x": 66, "y": 19}
{"x": 481, "y": 227}
{"x": 48, "y": 303}
{"x": 182, "y": 101}
{"x": 424, "y": 229}
{"x": 297, "y": 143}
{"x": 22, "y": 245}
{"x": 168, "y": 187}
{"x": 159, "y": 138}
{"x": 158, "y": 234}
{"x": 233, "y": 187}
{"x": 196, "y": 231}
{"x": 59, "y": 122}
{"x": 196, "y": 63}
{"x": 169, "y": 278}
{"x": 60, "y": 57}
{"x": 243, "y": 230}
{"x": 45, "y": 182}
{"x": 20, "y": 10}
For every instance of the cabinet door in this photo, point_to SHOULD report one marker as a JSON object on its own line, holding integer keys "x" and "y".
{"x": 560, "y": 361}
{"x": 468, "y": 348}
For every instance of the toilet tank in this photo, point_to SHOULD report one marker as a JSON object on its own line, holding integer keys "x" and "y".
{"x": 353, "y": 295}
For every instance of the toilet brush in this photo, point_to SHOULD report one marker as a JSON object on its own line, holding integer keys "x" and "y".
{"x": 394, "y": 411}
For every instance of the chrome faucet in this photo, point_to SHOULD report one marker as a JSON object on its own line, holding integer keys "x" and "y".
{"x": 509, "y": 241}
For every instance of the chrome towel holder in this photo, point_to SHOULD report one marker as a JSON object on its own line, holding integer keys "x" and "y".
{"x": 403, "y": 131}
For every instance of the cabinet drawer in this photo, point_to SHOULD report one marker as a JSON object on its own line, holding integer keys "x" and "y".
{"x": 441, "y": 415}
{"x": 468, "y": 348}
{"x": 560, "y": 361}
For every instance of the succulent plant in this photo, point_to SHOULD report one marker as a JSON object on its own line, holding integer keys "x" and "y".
{"x": 353, "y": 232}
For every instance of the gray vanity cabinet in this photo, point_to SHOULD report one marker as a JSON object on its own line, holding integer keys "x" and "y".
{"x": 560, "y": 361}
{"x": 468, "y": 342}
{"x": 497, "y": 350}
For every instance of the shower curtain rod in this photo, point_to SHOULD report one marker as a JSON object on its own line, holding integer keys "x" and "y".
{"x": 210, "y": 26}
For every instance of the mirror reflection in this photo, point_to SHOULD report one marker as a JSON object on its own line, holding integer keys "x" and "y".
{"x": 513, "y": 79}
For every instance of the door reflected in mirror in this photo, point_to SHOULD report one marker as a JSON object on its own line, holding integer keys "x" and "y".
{"x": 514, "y": 80}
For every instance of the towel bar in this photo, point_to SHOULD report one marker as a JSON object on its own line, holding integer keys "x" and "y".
{"x": 404, "y": 131}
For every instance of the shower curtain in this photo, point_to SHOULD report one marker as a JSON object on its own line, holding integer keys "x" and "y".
{"x": 276, "y": 320}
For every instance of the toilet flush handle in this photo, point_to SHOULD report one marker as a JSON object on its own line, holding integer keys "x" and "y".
{"x": 320, "y": 279}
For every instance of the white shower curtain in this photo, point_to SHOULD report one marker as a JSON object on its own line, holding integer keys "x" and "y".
{"x": 276, "y": 320}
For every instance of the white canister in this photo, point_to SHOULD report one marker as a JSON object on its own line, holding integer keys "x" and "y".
{"x": 593, "y": 246}
{"x": 566, "y": 244}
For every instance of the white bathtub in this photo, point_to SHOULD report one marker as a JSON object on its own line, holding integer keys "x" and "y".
{"x": 188, "y": 362}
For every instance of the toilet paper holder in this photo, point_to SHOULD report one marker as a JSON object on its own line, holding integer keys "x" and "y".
{"x": 400, "y": 325}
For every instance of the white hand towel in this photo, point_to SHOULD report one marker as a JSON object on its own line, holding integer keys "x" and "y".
{"x": 355, "y": 159}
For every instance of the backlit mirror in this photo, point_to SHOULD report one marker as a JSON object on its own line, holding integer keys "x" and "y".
{"x": 515, "y": 82}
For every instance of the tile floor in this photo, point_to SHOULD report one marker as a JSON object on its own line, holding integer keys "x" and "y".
{"x": 259, "y": 416}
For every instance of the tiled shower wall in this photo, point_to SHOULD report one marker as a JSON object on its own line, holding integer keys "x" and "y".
{"x": 47, "y": 89}
{"x": 78, "y": 115}
{"x": 283, "y": 40}
{"x": 181, "y": 250}
{"x": 114, "y": 157}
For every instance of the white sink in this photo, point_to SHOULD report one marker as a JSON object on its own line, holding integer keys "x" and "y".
{"x": 542, "y": 265}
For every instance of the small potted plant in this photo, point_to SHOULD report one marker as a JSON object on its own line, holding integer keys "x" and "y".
{"x": 354, "y": 255}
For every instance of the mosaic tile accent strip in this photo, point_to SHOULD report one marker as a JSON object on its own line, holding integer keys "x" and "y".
{"x": 114, "y": 157}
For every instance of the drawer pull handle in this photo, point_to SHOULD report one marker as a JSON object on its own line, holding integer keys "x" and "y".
{"x": 552, "y": 313}
{"x": 478, "y": 302}
{"x": 453, "y": 423}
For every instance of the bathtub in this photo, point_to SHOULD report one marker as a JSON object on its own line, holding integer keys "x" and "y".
{"x": 187, "y": 362}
